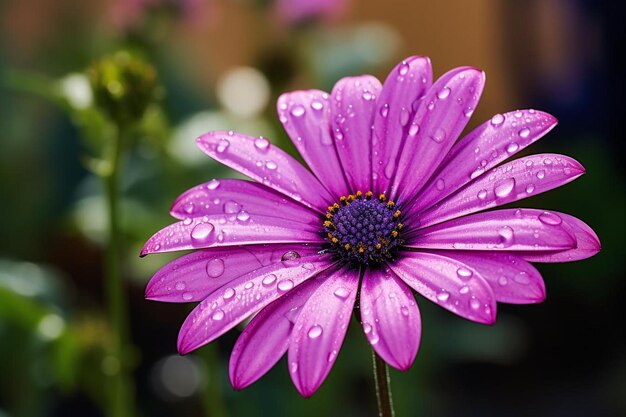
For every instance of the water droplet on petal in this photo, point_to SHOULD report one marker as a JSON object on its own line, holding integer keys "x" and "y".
{"x": 342, "y": 293}
{"x": 541, "y": 174}
{"x": 243, "y": 216}
{"x": 497, "y": 120}
{"x": 404, "y": 116}
{"x": 229, "y": 293}
{"x": 213, "y": 184}
{"x": 180, "y": 285}
{"x": 187, "y": 221}
{"x": 443, "y": 296}
{"x": 464, "y": 273}
{"x": 506, "y": 235}
{"x": 367, "y": 328}
{"x": 218, "y": 315}
{"x": 530, "y": 188}
{"x": 439, "y": 135}
{"x": 523, "y": 133}
{"x": 317, "y": 105}
{"x": 474, "y": 304}
{"x": 550, "y": 218}
{"x": 512, "y": 147}
{"x": 262, "y": 144}
{"x": 464, "y": 289}
{"x": 440, "y": 184}
{"x": 202, "y": 233}
{"x": 315, "y": 331}
{"x": 384, "y": 110}
{"x": 231, "y": 207}
{"x": 271, "y": 165}
{"x": 222, "y": 145}
{"x": 482, "y": 194}
{"x": 443, "y": 93}
{"x": 298, "y": 110}
{"x": 285, "y": 285}
{"x": 404, "y": 310}
{"x": 290, "y": 255}
{"x": 215, "y": 268}
{"x": 248, "y": 285}
{"x": 502, "y": 281}
{"x": 404, "y": 68}
{"x": 367, "y": 96}
{"x": 414, "y": 129}
{"x": 187, "y": 296}
{"x": 332, "y": 355}
{"x": 504, "y": 188}
{"x": 269, "y": 280}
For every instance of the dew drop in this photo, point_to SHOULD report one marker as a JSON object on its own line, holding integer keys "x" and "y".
{"x": 367, "y": 328}
{"x": 464, "y": 273}
{"x": 229, "y": 293}
{"x": 541, "y": 174}
{"x": 440, "y": 184}
{"x": 271, "y": 165}
{"x": 202, "y": 233}
{"x": 506, "y": 235}
{"x": 285, "y": 285}
{"x": 404, "y": 310}
{"x": 373, "y": 338}
{"x": 482, "y": 194}
{"x": 243, "y": 216}
{"x": 367, "y": 96}
{"x": 504, "y": 188}
{"x": 213, "y": 184}
{"x": 512, "y": 147}
{"x": 550, "y": 218}
{"x": 464, "y": 289}
{"x": 439, "y": 135}
{"x": 497, "y": 120}
{"x": 218, "y": 315}
{"x": 342, "y": 293}
{"x": 187, "y": 296}
{"x": 187, "y": 221}
{"x": 443, "y": 296}
{"x": 317, "y": 105}
{"x": 522, "y": 278}
{"x": 315, "y": 331}
{"x": 468, "y": 112}
{"x": 290, "y": 255}
{"x": 180, "y": 286}
{"x": 404, "y": 116}
{"x": 231, "y": 207}
{"x": 332, "y": 355}
{"x": 262, "y": 144}
{"x": 443, "y": 93}
{"x": 502, "y": 281}
{"x": 269, "y": 280}
{"x": 474, "y": 304}
{"x": 222, "y": 145}
{"x": 215, "y": 268}
{"x": 523, "y": 133}
{"x": 248, "y": 285}
{"x": 384, "y": 110}
{"x": 404, "y": 68}
{"x": 414, "y": 129}
{"x": 298, "y": 111}
{"x": 530, "y": 188}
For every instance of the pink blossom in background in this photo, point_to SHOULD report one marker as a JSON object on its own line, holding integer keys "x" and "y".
{"x": 296, "y": 11}
{"x": 392, "y": 204}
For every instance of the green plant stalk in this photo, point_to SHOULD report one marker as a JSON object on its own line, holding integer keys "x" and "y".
{"x": 383, "y": 388}
{"x": 116, "y": 367}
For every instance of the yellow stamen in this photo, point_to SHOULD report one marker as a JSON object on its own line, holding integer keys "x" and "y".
{"x": 369, "y": 195}
{"x": 394, "y": 233}
{"x": 382, "y": 197}
{"x": 346, "y": 246}
{"x": 327, "y": 223}
{"x": 397, "y": 214}
{"x": 391, "y": 204}
{"x": 334, "y": 240}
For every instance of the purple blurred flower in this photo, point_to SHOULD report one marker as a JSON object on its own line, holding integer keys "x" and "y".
{"x": 296, "y": 11}
{"x": 290, "y": 247}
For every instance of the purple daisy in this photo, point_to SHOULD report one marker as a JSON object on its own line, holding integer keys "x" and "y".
{"x": 393, "y": 204}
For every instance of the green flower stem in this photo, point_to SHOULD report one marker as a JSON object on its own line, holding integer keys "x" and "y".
{"x": 383, "y": 389}
{"x": 116, "y": 365}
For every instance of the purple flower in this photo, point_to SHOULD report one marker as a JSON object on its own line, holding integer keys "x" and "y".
{"x": 393, "y": 204}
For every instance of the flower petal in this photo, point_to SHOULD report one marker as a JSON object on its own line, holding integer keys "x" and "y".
{"x": 587, "y": 243}
{"x": 500, "y": 230}
{"x": 305, "y": 115}
{"x": 194, "y": 276}
{"x": 397, "y": 103}
{"x": 390, "y": 317}
{"x": 224, "y": 309}
{"x": 239, "y": 197}
{"x": 451, "y": 284}
{"x": 439, "y": 120}
{"x": 266, "y": 338}
{"x": 228, "y": 230}
{"x": 512, "y": 279}
{"x": 320, "y": 329}
{"x": 267, "y": 164}
{"x": 353, "y": 101}
{"x": 510, "y": 182}
{"x": 482, "y": 149}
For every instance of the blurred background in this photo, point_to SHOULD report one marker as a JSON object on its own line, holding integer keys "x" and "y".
{"x": 200, "y": 65}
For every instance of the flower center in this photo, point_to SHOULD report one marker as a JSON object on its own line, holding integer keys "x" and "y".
{"x": 362, "y": 229}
